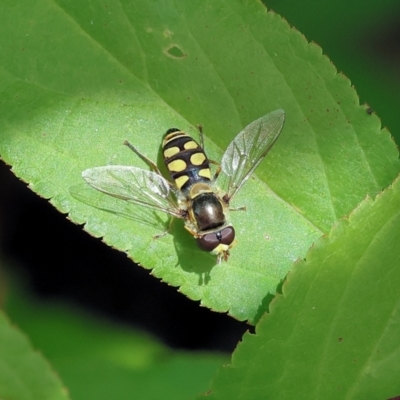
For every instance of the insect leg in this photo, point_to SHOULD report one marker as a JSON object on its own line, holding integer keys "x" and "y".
{"x": 162, "y": 234}
{"x": 193, "y": 232}
{"x": 242, "y": 208}
{"x": 143, "y": 157}
{"x": 201, "y": 137}
{"x": 219, "y": 169}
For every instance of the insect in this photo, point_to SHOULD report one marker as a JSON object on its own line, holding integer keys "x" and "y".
{"x": 193, "y": 194}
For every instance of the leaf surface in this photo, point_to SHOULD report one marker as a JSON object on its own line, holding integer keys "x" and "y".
{"x": 24, "y": 373}
{"x": 101, "y": 360}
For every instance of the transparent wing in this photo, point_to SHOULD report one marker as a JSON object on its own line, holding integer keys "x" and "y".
{"x": 136, "y": 185}
{"x": 128, "y": 210}
{"x": 249, "y": 148}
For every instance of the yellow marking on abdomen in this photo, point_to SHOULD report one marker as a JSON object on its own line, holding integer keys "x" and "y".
{"x": 179, "y": 182}
{"x": 197, "y": 158}
{"x": 199, "y": 188}
{"x": 173, "y": 136}
{"x": 205, "y": 173}
{"x": 177, "y": 165}
{"x": 171, "y": 152}
{"x": 190, "y": 145}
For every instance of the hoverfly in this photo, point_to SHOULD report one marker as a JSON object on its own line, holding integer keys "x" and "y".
{"x": 194, "y": 195}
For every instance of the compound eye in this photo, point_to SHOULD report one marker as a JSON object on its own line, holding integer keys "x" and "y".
{"x": 210, "y": 241}
{"x": 227, "y": 235}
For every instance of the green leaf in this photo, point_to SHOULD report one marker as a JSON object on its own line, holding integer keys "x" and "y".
{"x": 80, "y": 78}
{"x": 334, "y": 332}
{"x": 100, "y": 360}
{"x": 24, "y": 373}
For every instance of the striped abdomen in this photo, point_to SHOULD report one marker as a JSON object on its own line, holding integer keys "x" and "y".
{"x": 185, "y": 159}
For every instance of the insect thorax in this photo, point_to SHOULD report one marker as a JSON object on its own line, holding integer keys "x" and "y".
{"x": 208, "y": 212}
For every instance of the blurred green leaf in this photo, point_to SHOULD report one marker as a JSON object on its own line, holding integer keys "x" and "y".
{"x": 365, "y": 48}
{"x": 24, "y": 373}
{"x": 79, "y": 78}
{"x": 100, "y": 360}
{"x": 334, "y": 333}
